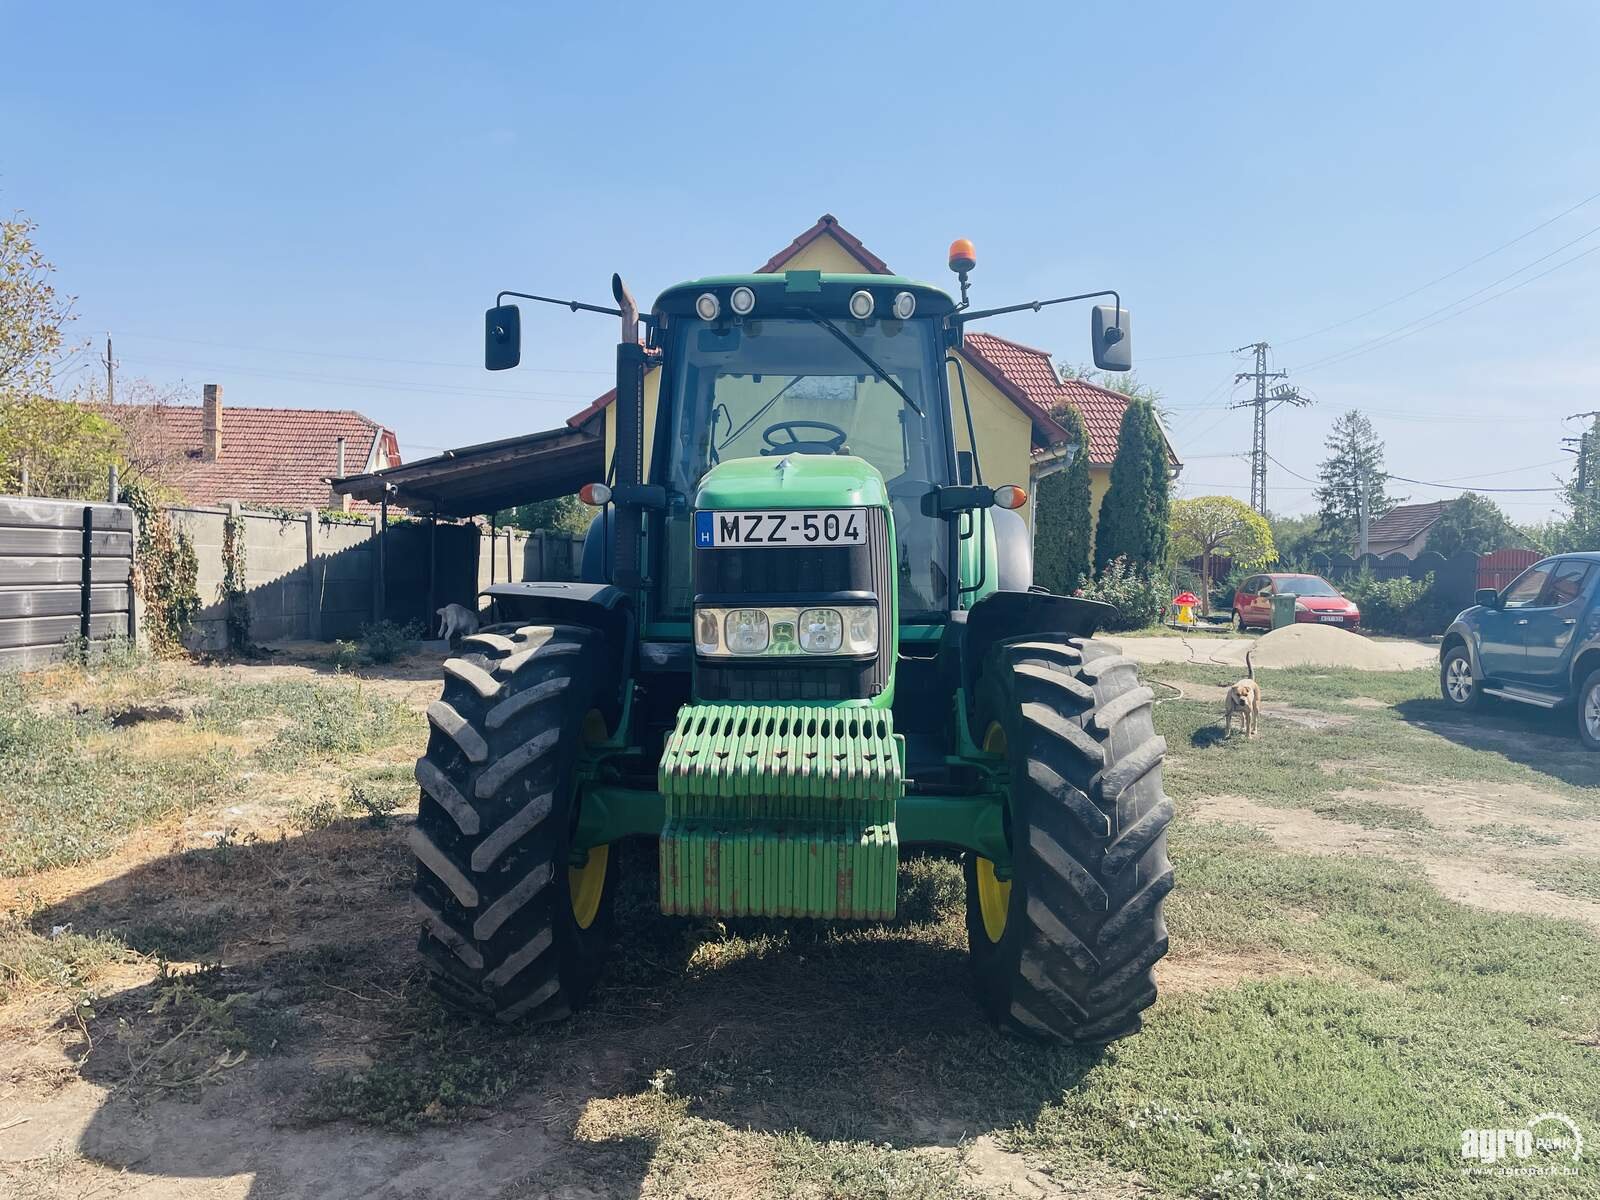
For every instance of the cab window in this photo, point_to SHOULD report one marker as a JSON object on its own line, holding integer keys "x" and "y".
{"x": 1567, "y": 582}
{"x": 1524, "y": 593}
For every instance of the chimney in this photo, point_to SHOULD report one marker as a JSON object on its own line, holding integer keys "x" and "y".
{"x": 211, "y": 423}
{"x": 338, "y": 500}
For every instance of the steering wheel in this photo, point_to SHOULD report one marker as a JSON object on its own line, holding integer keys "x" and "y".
{"x": 795, "y": 444}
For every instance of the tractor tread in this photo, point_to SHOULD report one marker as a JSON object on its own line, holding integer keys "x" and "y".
{"x": 1089, "y": 821}
{"x": 491, "y": 840}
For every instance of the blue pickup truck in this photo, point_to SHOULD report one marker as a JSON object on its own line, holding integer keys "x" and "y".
{"x": 1537, "y": 642}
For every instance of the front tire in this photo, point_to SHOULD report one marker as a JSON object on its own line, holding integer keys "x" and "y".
{"x": 1238, "y": 622}
{"x": 510, "y": 926}
{"x": 1064, "y": 950}
{"x": 1458, "y": 688}
{"x": 1589, "y": 711}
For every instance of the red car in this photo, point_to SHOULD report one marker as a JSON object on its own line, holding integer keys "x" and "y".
{"x": 1316, "y": 601}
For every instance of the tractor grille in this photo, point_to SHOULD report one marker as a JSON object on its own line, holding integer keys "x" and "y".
{"x": 790, "y": 575}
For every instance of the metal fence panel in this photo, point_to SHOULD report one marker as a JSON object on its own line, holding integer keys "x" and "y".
{"x": 47, "y": 597}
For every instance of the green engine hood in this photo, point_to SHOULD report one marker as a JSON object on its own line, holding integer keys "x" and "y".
{"x": 793, "y": 481}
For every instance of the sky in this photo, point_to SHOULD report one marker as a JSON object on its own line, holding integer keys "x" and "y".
{"x": 313, "y": 204}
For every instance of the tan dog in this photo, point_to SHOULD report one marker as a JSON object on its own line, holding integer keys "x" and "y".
{"x": 1243, "y": 700}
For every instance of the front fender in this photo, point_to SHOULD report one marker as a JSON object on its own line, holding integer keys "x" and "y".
{"x": 1003, "y": 616}
{"x": 1466, "y": 634}
{"x": 599, "y": 606}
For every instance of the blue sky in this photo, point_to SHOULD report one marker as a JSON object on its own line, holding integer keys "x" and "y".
{"x": 312, "y": 205}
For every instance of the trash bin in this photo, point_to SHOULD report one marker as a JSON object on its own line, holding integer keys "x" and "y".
{"x": 1283, "y": 610}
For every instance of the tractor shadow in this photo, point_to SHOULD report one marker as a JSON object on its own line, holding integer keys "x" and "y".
{"x": 1543, "y": 740}
{"x": 313, "y": 1051}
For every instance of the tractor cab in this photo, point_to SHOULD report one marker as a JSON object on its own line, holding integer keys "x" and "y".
{"x": 787, "y": 368}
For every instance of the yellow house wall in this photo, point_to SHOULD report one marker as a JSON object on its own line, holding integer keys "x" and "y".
{"x": 1005, "y": 433}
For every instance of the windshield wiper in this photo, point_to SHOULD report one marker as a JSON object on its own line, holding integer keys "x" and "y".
{"x": 850, "y": 345}
{"x": 759, "y": 413}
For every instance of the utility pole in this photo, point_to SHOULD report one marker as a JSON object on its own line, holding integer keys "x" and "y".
{"x": 111, "y": 381}
{"x": 1362, "y": 512}
{"x": 1263, "y": 402}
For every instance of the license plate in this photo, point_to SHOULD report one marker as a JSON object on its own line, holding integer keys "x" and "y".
{"x": 1333, "y": 617}
{"x": 745, "y": 529}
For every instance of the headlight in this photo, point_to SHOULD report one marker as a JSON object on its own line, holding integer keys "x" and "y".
{"x": 708, "y": 306}
{"x": 905, "y": 304}
{"x": 742, "y": 300}
{"x": 861, "y": 304}
{"x": 821, "y": 630}
{"x": 747, "y": 631}
{"x": 786, "y": 632}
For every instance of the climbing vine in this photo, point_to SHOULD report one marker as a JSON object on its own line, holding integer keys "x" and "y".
{"x": 165, "y": 571}
{"x": 231, "y": 591}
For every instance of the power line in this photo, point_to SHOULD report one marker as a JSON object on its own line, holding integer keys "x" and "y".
{"x": 376, "y": 384}
{"x": 1444, "y": 484}
{"x": 1448, "y": 275}
{"x": 1401, "y": 332}
{"x": 408, "y": 362}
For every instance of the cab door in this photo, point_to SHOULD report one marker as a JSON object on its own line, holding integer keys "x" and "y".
{"x": 1548, "y": 635}
{"x": 1502, "y": 631}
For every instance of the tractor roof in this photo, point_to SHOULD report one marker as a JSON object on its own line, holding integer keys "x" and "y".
{"x": 790, "y": 290}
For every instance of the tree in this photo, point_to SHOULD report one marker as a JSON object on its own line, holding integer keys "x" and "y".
{"x": 1581, "y": 495}
{"x": 31, "y": 315}
{"x": 560, "y": 514}
{"x": 1296, "y": 538}
{"x": 1473, "y": 522}
{"x": 1124, "y": 383}
{"x": 1133, "y": 515}
{"x": 1354, "y": 465}
{"x": 66, "y": 449}
{"x": 1210, "y": 525}
{"x": 1062, "y": 521}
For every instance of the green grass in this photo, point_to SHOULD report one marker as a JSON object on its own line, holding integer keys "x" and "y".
{"x": 1414, "y": 741}
{"x": 315, "y": 721}
{"x": 77, "y": 784}
{"x": 1519, "y": 837}
{"x": 74, "y": 789}
{"x": 64, "y": 964}
{"x": 1569, "y": 875}
{"x": 1373, "y": 814}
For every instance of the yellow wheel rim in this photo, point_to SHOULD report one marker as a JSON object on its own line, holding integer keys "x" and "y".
{"x": 994, "y": 895}
{"x": 588, "y": 882}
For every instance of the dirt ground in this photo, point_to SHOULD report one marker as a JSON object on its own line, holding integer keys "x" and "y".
{"x": 1292, "y": 646}
{"x": 313, "y": 937}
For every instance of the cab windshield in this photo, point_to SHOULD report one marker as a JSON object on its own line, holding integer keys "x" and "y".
{"x": 791, "y": 386}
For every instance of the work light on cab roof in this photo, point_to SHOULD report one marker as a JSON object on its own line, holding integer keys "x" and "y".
{"x": 804, "y": 635}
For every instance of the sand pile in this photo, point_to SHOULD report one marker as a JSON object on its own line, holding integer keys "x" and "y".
{"x": 1327, "y": 646}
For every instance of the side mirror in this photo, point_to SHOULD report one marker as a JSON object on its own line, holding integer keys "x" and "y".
{"x": 963, "y": 467}
{"x": 1487, "y": 597}
{"x": 1111, "y": 332}
{"x": 502, "y": 337}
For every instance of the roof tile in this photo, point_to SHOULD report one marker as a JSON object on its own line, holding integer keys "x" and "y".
{"x": 277, "y": 456}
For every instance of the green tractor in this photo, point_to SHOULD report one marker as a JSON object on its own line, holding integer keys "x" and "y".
{"x": 806, "y": 639}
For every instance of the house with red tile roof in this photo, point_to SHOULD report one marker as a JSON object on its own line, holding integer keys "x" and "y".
{"x": 1014, "y": 389}
{"x": 274, "y": 457}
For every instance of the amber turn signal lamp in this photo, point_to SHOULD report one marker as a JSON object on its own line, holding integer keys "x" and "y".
{"x": 1009, "y": 495}
{"x": 962, "y": 256}
{"x": 595, "y": 495}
